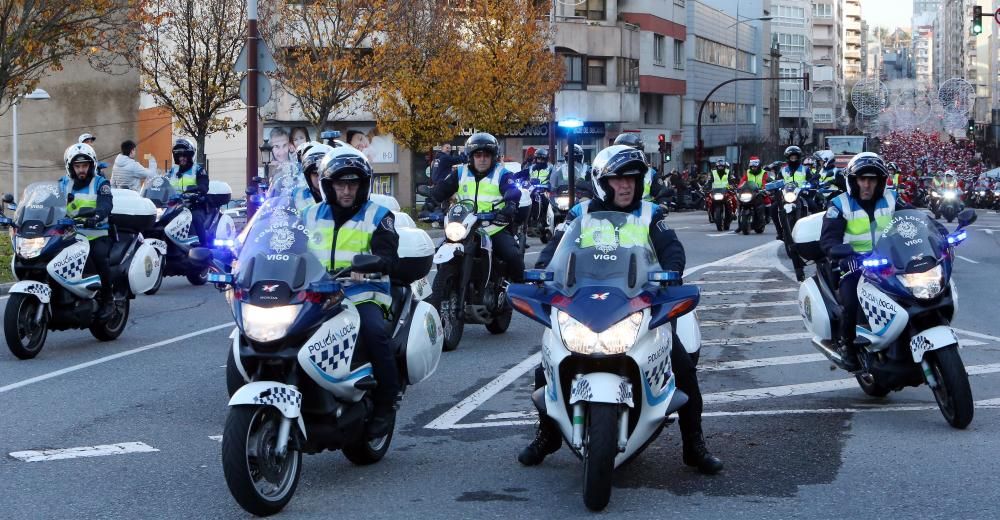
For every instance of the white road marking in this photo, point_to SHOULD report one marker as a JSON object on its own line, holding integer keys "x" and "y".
{"x": 749, "y": 280}
{"x": 758, "y": 291}
{"x": 216, "y": 438}
{"x": 738, "y": 271}
{"x": 84, "y": 451}
{"x": 112, "y": 357}
{"x": 967, "y": 259}
{"x": 976, "y": 335}
{"x": 450, "y": 418}
{"x": 747, "y": 304}
{"x": 988, "y": 231}
{"x": 750, "y": 321}
{"x": 720, "y": 234}
{"x": 743, "y": 364}
{"x": 725, "y": 342}
{"x": 730, "y": 260}
{"x": 512, "y": 415}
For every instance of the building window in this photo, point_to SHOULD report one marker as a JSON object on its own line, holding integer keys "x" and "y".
{"x": 591, "y": 9}
{"x": 652, "y": 108}
{"x": 789, "y": 16}
{"x": 716, "y": 53}
{"x": 792, "y": 43}
{"x": 628, "y": 74}
{"x": 597, "y": 71}
{"x": 679, "y": 3}
{"x": 678, "y": 54}
{"x": 729, "y": 113}
{"x": 574, "y": 72}
{"x": 791, "y": 99}
{"x": 822, "y": 10}
{"x": 658, "y": 48}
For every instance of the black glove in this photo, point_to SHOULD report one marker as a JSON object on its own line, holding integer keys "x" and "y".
{"x": 505, "y": 216}
{"x": 850, "y": 264}
{"x": 90, "y": 222}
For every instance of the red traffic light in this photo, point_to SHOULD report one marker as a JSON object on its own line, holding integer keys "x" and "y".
{"x": 661, "y": 138}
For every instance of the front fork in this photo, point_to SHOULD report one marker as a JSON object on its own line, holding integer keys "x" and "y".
{"x": 579, "y": 420}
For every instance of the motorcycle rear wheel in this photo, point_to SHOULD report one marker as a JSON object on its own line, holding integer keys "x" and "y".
{"x": 953, "y": 394}
{"x": 25, "y": 338}
{"x": 261, "y": 482}
{"x": 599, "y": 460}
{"x": 501, "y": 321}
{"x": 113, "y": 327}
{"x": 199, "y": 278}
{"x": 363, "y": 452}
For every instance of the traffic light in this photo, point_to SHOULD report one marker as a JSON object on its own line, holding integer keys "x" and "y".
{"x": 977, "y": 20}
{"x": 972, "y": 126}
{"x": 666, "y": 155}
{"x": 661, "y": 143}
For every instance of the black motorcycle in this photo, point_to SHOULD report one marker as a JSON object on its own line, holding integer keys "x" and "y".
{"x": 560, "y": 202}
{"x": 752, "y": 212}
{"x": 791, "y": 208}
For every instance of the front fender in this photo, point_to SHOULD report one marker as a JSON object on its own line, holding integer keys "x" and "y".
{"x": 601, "y": 387}
{"x": 286, "y": 398}
{"x": 934, "y": 338}
{"x": 37, "y": 289}
{"x": 446, "y": 252}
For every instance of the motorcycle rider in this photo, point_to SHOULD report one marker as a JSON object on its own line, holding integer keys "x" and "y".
{"x": 187, "y": 176}
{"x": 857, "y": 217}
{"x": 539, "y": 173}
{"x": 91, "y": 190}
{"x": 560, "y": 177}
{"x": 634, "y": 140}
{"x": 754, "y": 173}
{"x": 721, "y": 180}
{"x": 792, "y": 171}
{"x": 893, "y": 180}
{"x": 618, "y": 173}
{"x": 346, "y": 224}
{"x": 485, "y": 181}
{"x": 309, "y": 160}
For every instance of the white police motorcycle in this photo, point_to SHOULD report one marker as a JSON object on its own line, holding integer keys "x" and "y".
{"x": 50, "y": 256}
{"x": 609, "y": 313}
{"x": 299, "y": 378}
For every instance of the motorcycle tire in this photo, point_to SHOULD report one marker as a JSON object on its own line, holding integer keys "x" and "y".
{"x": 24, "y": 338}
{"x": 744, "y": 225}
{"x": 234, "y": 379}
{"x": 159, "y": 281}
{"x": 111, "y": 328}
{"x": 953, "y": 394}
{"x": 199, "y": 278}
{"x": 601, "y": 440}
{"x": 444, "y": 291}
{"x": 240, "y": 468}
{"x": 718, "y": 218}
{"x": 728, "y": 223}
{"x": 545, "y": 236}
{"x": 364, "y": 452}
{"x": 875, "y": 389}
{"x": 501, "y": 321}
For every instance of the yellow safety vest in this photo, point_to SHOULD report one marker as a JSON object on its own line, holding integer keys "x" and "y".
{"x": 861, "y": 233}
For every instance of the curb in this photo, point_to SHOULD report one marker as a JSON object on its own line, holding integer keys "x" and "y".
{"x": 5, "y": 287}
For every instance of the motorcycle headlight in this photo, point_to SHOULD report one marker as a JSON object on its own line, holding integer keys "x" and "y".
{"x": 562, "y": 202}
{"x": 948, "y": 195}
{"x": 935, "y": 194}
{"x": 159, "y": 213}
{"x": 925, "y": 285}
{"x": 30, "y": 247}
{"x": 455, "y": 231}
{"x": 981, "y": 193}
{"x": 616, "y": 340}
{"x": 790, "y": 196}
{"x": 268, "y": 323}
{"x": 717, "y": 196}
{"x": 746, "y": 197}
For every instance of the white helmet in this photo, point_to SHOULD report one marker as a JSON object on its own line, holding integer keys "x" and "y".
{"x": 84, "y": 137}
{"x": 80, "y": 153}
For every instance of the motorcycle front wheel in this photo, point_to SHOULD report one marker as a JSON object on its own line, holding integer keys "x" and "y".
{"x": 25, "y": 336}
{"x": 261, "y": 481}
{"x": 953, "y": 394}
{"x": 444, "y": 298}
{"x": 601, "y": 441}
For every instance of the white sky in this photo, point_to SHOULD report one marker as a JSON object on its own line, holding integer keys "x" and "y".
{"x": 887, "y": 13}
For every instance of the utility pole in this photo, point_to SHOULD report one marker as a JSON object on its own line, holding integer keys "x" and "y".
{"x": 251, "y": 47}
{"x": 775, "y": 102}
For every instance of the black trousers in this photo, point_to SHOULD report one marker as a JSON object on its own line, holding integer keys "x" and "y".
{"x": 539, "y": 208}
{"x": 376, "y": 339}
{"x": 98, "y": 262}
{"x": 848, "y": 295}
{"x": 198, "y": 225}
{"x": 505, "y": 247}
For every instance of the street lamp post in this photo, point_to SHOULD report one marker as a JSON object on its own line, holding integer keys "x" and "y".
{"x": 35, "y": 94}
{"x": 736, "y": 71}
{"x": 571, "y": 125}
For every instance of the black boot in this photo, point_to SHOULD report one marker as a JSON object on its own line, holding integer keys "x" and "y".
{"x": 696, "y": 455}
{"x": 382, "y": 420}
{"x": 848, "y": 355}
{"x": 547, "y": 441}
{"x": 105, "y": 308}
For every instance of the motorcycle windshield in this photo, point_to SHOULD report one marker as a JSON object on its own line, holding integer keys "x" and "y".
{"x": 275, "y": 260}
{"x": 604, "y": 249}
{"x": 913, "y": 242}
{"x": 159, "y": 190}
{"x": 285, "y": 185}
{"x": 461, "y": 209}
{"x": 42, "y": 202}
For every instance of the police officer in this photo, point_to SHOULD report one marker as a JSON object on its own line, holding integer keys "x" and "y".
{"x": 634, "y": 140}
{"x": 857, "y": 217}
{"x": 538, "y": 174}
{"x": 560, "y": 177}
{"x": 792, "y": 171}
{"x": 309, "y": 161}
{"x": 188, "y": 177}
{"x": 485, "y": 181}
{"x": 617, "y": 181}
{"x": 91, "y": 197}
{"x": 754, "y": 173}
{"x": 346, "y": 224}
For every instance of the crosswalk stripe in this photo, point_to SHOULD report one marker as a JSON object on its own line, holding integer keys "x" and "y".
{"x": 749, "y": 280}
{"x": 738, "y": 271}
{"x": 751, "y": 321}
{"x": 761, "y": 362}
{"x": 719, "y": 306}
{"x": 83, "y": 451}
{"x": 758, "y": 291}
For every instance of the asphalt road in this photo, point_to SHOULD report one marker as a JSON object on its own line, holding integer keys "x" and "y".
{"x": 796, "y": 439}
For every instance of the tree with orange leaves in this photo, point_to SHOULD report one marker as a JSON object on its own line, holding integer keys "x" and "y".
{"x": 324, "y": 54}
{"x": 39, "y": 35}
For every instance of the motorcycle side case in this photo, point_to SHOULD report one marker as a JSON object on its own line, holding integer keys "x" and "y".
{"x": 219, "y": 193}
{"x": 806, "y": 235}
{"x": 144, "y": 269}
{"x": 689, "y": 332}
{"x": 423, "y": 343}
{"x": 226, "y": 228}
{"x": 386, "y": 201}
{"x": 814, "y": 312}
{"x": 416, "y": 254}
{"x": 132, "y": 212}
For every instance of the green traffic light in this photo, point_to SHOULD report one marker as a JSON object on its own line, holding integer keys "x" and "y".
{"x": 977, "y": 28}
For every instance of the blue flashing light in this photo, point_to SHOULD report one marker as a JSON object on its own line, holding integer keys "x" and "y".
{"x": 570, "y": 123}
{"x": 220, "y": 278}
{"x": 663, "y": 276}
{"x": 957, "y": 237}
{"x": 538, "y": 275}
{"x": 875, "y": 262}
{"x": 224, "y": 242}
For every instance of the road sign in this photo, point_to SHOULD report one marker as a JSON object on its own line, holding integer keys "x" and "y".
{"x": 263, "y": 89}
{"x": 265, "y": 62}
{"x": 996, "y": 15}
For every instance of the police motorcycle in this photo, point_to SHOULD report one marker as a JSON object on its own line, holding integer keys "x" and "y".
{"x": 304, "y": 381}
{"x": 54, "y": 292}
{"x": 723, "y": 208}
{"x": 791, "y": 209}
{"x": 541, "y": 226}
{"x": 752, "y": 212}
{"x": 907, "y": 301}
{"x": 560, "y": 202}
{"x": 173, "y": 227}
{"x": 611, "y": 316}
{"x": 949, "y": 203}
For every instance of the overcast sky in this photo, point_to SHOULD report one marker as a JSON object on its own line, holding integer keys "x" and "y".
{"x": 887, "y": 13}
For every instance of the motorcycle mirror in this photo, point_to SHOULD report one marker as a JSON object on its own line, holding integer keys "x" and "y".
{"x": 366, "y": 264}
{"x": 4, "y": 221}
{"x": 966, "y": 217}
{"x": 8, "y": 198}
{"x": 200, "y": 255}
{"x": 841, "y": 251}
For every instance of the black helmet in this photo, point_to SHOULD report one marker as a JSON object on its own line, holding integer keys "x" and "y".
{"x": 633, "y": 139}
{"x": 866, "y": 164}
{"x": 311, "y": 160}
{"x": 891, "y": 166}
{"x": 182, "y": 147}
{"x": 482, "y": 141}
{"x": 793, "y": 150}
{"x": 345, "y": 163}
{"x": 618, "y": 161}
{"x": 542, "y": 153}
{"x": 577, "y": 153}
